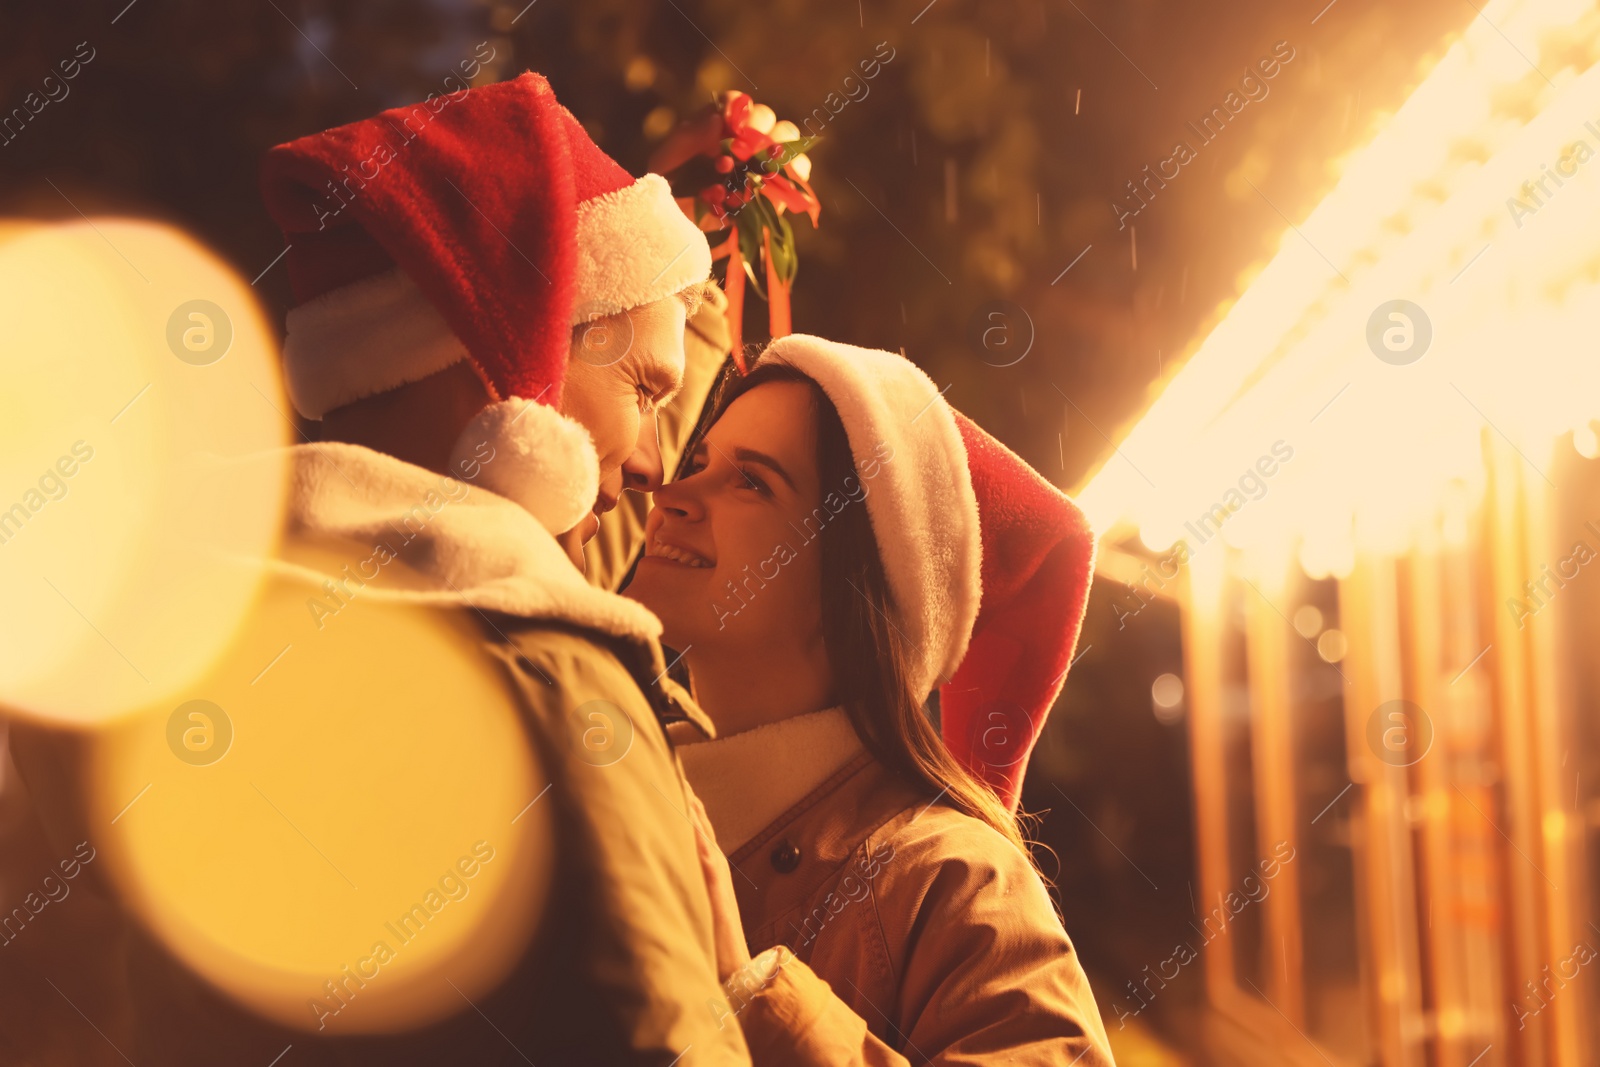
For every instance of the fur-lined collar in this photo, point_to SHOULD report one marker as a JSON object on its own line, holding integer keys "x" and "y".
{"x": 747, "y": 780}
{"x": 463, "y": 545}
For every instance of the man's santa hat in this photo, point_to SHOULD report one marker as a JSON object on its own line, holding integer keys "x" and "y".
{"x": 989, "y": 565}
{"x": 481, "y": 227}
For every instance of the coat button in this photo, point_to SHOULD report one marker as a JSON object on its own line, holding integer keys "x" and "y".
{"x": 785, "y": 858}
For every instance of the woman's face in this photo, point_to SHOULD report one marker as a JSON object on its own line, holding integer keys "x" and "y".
{"x": 731, "y": 561}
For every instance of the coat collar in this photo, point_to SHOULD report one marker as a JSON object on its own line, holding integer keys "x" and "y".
{"x": 787, "y": 864}
{"x": 748, "y": 779}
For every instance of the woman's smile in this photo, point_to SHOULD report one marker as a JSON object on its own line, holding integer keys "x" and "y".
{"x": 657, "y": 549}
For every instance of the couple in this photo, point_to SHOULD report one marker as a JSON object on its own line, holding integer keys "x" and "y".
{"x": 815, "y": 857}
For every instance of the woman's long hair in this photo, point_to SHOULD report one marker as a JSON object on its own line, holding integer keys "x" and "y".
{"x": 869, "y": 654}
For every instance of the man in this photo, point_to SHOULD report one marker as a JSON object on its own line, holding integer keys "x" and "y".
{"x": 609, "y": 557}
{"x": 490, "y": 313}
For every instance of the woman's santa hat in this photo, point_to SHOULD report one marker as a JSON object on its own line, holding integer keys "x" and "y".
{"x": 481, "y": 227}
{"x": 989, "y": 564}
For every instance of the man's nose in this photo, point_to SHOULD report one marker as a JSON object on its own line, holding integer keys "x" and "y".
{"x": 643, "y": 472}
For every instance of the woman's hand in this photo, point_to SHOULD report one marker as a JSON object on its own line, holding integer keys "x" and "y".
{"x": 733, "y": 952}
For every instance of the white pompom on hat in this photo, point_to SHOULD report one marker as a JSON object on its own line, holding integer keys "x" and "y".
{"x": 989, "y": 565}
{"x": 476, "y": 227}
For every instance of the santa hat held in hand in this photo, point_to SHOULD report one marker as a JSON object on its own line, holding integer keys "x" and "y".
{"x": 478, "y": 226}
{"x": 989, "y": 565}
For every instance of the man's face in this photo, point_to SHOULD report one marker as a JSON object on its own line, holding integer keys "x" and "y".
{"x": 622, "y": 369}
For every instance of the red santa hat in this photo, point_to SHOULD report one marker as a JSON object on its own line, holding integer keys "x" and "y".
{"x": 479, "y": 226}
{"x": 988, "y": 563}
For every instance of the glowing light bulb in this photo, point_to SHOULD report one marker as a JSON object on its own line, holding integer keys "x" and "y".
{"x": 1307, "y": 621}
{"x": 1166, "y": 696}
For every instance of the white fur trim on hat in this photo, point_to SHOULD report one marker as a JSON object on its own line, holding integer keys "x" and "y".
{"x": 363, "y": 339}
{"x": 912, "y": 464}
{"x": 532, "y": 454}
{"x": 635, "y": 246}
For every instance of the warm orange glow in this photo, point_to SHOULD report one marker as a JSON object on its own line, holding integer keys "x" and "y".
{"x": 133, "y": 359}
{"x": 272, "y": 798}
{"x": 1383, "y": 446}
{"x": 353, "y": 786}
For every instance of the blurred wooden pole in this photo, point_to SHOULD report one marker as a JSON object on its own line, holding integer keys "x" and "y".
{"x": 1272, "y": 742}
{"x": 1518, "y": 819}
{"x": 1550, "y": 739}
{"x": 1368, "y": 609}
{"x": 1202, "y": 655}
{"x": 1440, "y": 900}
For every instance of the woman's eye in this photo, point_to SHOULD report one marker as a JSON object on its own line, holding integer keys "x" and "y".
{"x": 746, "y": 480}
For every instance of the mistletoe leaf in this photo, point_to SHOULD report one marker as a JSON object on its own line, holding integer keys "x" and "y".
{"x": 785, "y": 259}
{"x": 749, "y": 224}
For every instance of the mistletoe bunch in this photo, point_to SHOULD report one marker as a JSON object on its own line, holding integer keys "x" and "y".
{"x": 747, "y": 171}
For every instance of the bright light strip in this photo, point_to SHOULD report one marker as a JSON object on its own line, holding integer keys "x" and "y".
{"x": 1419, "y": 214}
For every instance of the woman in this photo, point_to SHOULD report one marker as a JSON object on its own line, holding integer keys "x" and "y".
{"x": 842, "y": 543}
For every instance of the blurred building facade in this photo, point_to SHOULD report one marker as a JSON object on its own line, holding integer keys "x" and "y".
{"x": 1372, "y": 495}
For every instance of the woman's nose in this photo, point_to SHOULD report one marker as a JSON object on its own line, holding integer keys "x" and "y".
{"x": 681, "y": 498}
